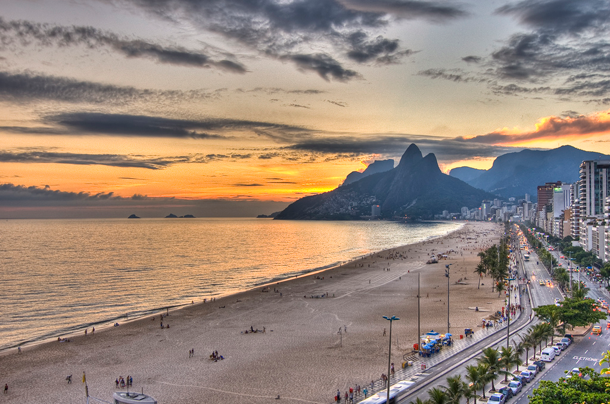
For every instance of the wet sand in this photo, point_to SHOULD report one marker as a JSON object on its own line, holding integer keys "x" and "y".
{"x": 300, "y": 356}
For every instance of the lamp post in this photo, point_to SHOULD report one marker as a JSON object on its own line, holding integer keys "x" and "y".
{"x": 447, "y": 275}
{"x": 508, "y": 314}
{"x": 390, "y": 319}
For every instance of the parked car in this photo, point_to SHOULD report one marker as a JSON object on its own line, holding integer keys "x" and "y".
{"x": 557, "y": 350}
{"x": 515, "y": 386}
{"x": 497, "y": 398}
{"x": 520, "y": 379}
{"x": 533, "y": 369}
{"x": 529, "y": 376}
{"x": 561, "y": 345}
{"x": 540, "y": 365}
{"x": 507, "y": 391}
{"x": 566, "y": 341}
{"x": 569, "y": 336}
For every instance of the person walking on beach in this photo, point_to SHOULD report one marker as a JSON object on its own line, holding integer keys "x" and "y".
{"x": 384, "y": 332}
{"x": 6, "y": 388}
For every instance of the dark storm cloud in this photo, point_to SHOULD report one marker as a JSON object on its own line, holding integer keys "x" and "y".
{"x": 89, "y": 123}
{"x": 27, "y": 86}
{"x": 113, "y": 160}
{"x": 324, "y": 65}
{"x": 430, "y": 10}
{"x": 561, "y": 16}
{"x": 284, "y": 29}
{"x": 24, "y": 33}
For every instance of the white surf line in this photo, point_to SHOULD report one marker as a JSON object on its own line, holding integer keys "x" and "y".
{"x": 392, "y": 279}
{"x": 237, "y": 394}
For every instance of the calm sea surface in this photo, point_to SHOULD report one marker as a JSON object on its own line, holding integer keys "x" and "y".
{"x": 59, "y": 276}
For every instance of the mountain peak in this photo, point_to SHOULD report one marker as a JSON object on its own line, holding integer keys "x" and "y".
{"x": 412, "y": 155}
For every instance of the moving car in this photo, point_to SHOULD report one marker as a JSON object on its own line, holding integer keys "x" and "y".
{"x": 575, "y": 372}
{"x": 541, "y": 282}
{"x": 597, "y": 329}
{"x": 515, "y": 386}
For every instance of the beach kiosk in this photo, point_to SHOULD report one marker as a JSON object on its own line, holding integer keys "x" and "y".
{"x": 132, "y": 397}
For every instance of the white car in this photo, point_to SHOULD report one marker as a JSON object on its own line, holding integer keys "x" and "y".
{"x": 557, "y": 350}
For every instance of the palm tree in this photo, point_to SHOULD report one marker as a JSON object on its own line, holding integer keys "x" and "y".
{"x": 474, "y": 377}
{"x": 454, "y": 389}
{"x": 469, "y": 393}
{"x": 580, "y": 292}
{"x": 508, "y": 358}
{"x": 519, "y": 349}
{"x": 437, "y": 396}
{"x": 484, "y": 376}
{"x": 500, "y": 287}
{"x": 554, "y": 320}
{"x": 528, "y": 342}
{"x": 419, "y": 401}
{"x": 480, "y": 270}
{"x": 491, "y": 359}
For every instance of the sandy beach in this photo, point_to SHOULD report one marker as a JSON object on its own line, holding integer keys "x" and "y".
{"x": 300, "y": 356}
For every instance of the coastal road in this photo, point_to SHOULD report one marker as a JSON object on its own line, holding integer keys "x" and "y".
{"x": 541, "y": 295}
{"x": 585, "y": 351}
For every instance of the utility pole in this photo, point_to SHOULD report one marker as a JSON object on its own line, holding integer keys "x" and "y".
{"x": 447, "y": 275}
{"x": 418, "y": 313}
{"x": 570, "y": 266}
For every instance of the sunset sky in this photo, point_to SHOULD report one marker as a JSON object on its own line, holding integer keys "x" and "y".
{"x": 238, "y": 107}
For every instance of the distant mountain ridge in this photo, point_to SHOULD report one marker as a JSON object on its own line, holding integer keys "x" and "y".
{"x": 416, "y": 188}
{"x": 378, "y": 166}
{"x": 515, "y": 174}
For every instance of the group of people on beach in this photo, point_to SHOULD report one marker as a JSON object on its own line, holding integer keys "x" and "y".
{"x": 216, "y": 357}
{"x": 123, "y": 382}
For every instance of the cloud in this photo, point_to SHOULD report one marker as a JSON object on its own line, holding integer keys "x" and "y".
{"x": 472, "y": 59}
{"x": 286, "y": 30}
{"x": 324, "y": 65}
{"x": 92, "y": 123}
{"x": 549, "y": 129}
{"x": 394, "y": 146}
{"x": 24, "y": 33}
{"x": 338, "y": 103}
{"x": 298, "y": 106}
{"x": 456, "y": 75}
{"x": 28, "y": 87}
{"x": 113, "y": 160}
{"x": 241, "y": 184}
{"x": 561, "y": 16}
{"x": 380, "y": 50}
{"x": 410, "y": 9}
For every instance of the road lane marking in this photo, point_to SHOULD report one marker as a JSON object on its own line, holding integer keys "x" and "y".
{"x": 586, "y": 351}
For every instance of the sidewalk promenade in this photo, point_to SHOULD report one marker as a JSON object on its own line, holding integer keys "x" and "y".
{"x": 418, "y": 371}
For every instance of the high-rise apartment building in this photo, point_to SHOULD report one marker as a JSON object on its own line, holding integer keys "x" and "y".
{"x": 545, "y": 193}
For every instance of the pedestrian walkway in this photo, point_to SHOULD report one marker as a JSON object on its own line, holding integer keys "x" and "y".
{"x": 422, "y": 365}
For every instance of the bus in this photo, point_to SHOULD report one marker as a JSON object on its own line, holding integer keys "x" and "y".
{"x": 526, "y": 256}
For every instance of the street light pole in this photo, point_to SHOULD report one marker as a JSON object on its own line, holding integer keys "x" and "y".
{"x": 447, "y": 275}
{"x": 418, "y": 318}
{"x": 508, "y": 314}
{"x": 390, "y": 319}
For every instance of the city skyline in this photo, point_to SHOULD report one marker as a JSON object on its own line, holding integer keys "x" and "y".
{"x": 191, "y": 106}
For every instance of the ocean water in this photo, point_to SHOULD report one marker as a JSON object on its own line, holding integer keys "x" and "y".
{"x": 60, "y": 276}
